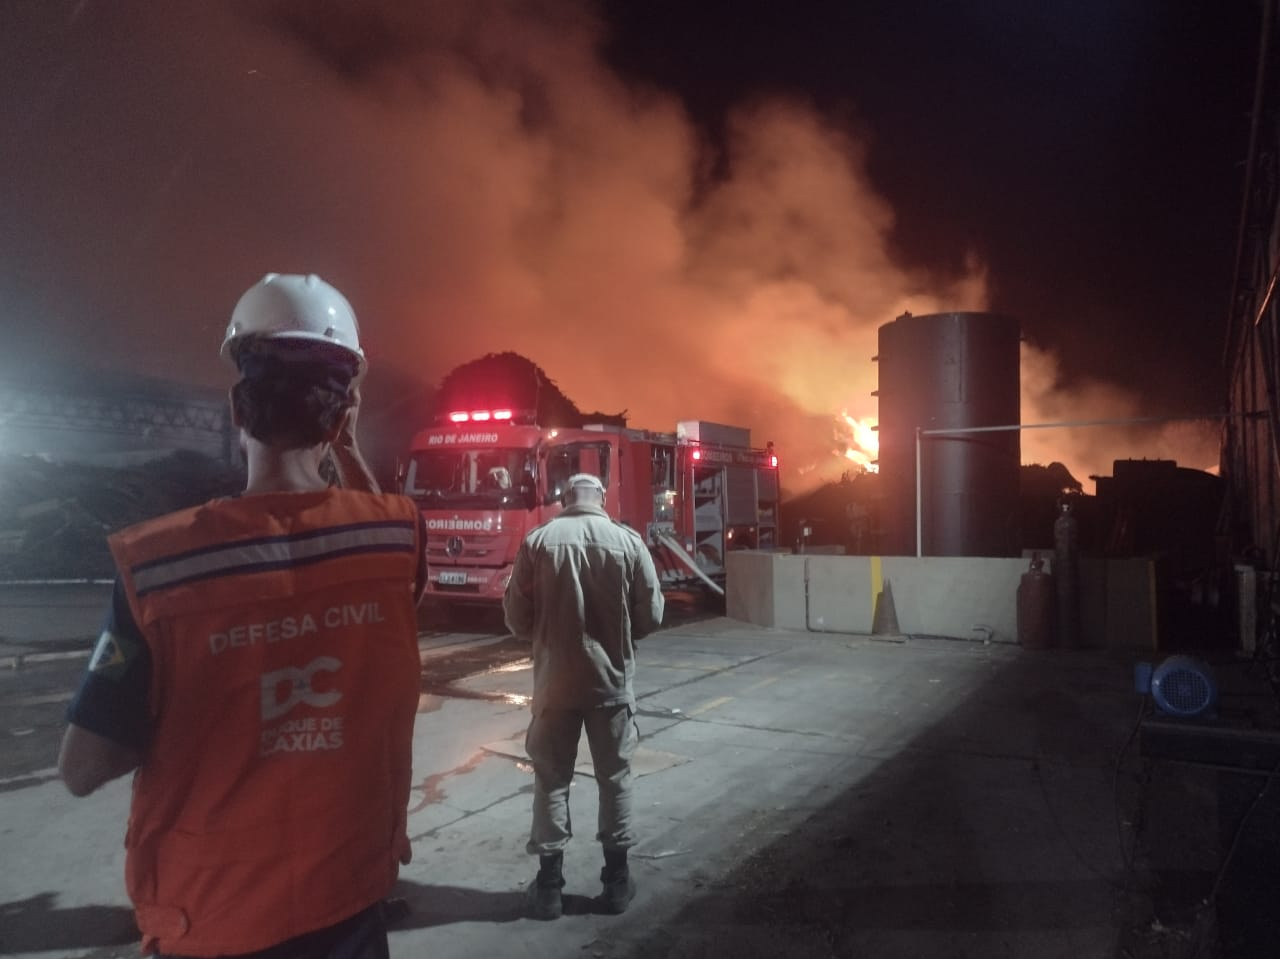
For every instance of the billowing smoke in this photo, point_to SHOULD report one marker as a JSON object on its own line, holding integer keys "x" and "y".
{"x": 477, "y": 180}
{"x": 572, "y": 218}
{"x": 1110, "y": 425}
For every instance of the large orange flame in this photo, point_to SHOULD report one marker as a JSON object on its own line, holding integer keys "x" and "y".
{"x": 860, "y": 441}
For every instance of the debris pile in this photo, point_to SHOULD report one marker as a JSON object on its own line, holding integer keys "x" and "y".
{"x": 55, "y": 516}
{"x": 509, "y": 379}
{"x": 843, "y": 513}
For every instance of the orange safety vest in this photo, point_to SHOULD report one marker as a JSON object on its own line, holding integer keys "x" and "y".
{"x": 272, "y": 797}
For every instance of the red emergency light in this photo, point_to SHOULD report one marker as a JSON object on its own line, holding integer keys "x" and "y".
{"x": 773, "y": 461}
{"x": 480, "y": 416}
{"x": 697, "y": 454}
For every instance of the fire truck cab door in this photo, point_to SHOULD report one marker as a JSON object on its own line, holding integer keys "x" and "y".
{"x": 566, "y": 459}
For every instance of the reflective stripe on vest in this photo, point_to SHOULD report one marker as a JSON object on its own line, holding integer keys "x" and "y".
{"x": 272, "y": 799}
{"x": 272, "y": 553}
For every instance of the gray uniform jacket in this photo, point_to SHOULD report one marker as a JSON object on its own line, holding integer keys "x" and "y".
{"x": 582, "y": 589}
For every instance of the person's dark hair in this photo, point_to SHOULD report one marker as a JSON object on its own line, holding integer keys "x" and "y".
{"x": 291, "y": 399}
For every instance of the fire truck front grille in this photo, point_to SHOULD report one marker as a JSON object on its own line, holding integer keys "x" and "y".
{"x": 476, "y": 549}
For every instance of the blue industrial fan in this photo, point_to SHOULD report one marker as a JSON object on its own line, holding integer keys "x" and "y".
{"x": 1181, "y": 686}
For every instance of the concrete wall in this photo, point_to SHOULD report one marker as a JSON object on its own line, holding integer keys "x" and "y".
{"x": 960, "y": 597}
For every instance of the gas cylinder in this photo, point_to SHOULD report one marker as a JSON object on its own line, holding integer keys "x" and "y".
{"x": 1035, "y": 606}
{"x": 1066, "y": 574}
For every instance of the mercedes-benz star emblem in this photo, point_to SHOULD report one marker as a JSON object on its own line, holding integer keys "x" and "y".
{"x": 454, "y": 546}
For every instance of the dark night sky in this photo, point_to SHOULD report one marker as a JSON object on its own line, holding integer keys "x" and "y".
{"x": 731, "y": 202}
{"x": 1090, "y": 153}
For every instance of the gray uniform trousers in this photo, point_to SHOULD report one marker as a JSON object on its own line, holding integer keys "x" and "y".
{"x": 552, "y": 744}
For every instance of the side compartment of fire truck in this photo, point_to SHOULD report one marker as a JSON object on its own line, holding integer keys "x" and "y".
{"x": 712, "y": 494}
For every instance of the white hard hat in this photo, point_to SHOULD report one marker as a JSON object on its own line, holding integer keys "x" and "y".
{"x": 294, "y": 307}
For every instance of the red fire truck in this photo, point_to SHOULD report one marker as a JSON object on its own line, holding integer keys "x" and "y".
{"x": 484, "y": 477}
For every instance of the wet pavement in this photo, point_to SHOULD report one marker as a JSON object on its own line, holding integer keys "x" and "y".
{"x": 798, "y": 795}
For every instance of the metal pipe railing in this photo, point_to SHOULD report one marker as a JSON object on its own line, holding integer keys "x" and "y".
{"x": 959, "y": 430}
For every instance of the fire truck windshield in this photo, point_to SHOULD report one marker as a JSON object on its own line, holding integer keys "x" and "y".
{"x": 471, "y": 479}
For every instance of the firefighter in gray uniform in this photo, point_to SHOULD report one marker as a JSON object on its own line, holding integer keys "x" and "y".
{"x": 583, "y": 588}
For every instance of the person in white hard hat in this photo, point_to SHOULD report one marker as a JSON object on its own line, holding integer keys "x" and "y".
{"x": 259, "y": 668}
{"x": 582, "y": 589}
{"x": 291, "y": 323}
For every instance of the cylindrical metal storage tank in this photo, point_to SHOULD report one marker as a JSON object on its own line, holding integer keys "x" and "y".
{"x": 950, "y": 371}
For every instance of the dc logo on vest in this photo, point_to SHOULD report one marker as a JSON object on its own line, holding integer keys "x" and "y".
{"x": 297, "y": 682}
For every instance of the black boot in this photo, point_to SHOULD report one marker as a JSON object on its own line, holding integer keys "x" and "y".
{"x": 618, "y": 886}
{"x": 542, "y": 899}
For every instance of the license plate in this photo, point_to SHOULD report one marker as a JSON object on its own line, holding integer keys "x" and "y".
{"x": 452, "y": 577}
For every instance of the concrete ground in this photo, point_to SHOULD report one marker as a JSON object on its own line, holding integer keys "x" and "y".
{"x": 799, "y": 794}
